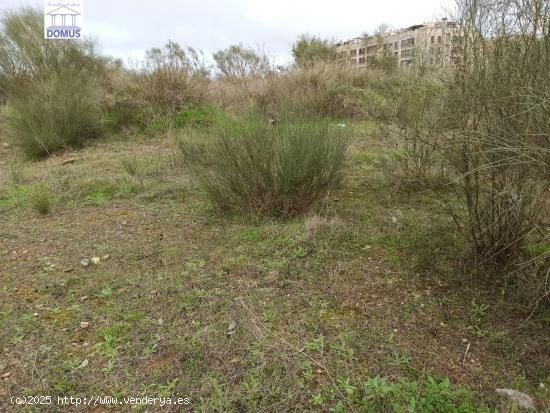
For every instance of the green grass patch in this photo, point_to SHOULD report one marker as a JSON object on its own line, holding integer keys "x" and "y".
{"x": 103, "y": 191}
{"x": 201, "y": 116}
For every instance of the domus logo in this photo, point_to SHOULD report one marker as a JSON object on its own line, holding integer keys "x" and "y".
{"x": 63, "y": 20}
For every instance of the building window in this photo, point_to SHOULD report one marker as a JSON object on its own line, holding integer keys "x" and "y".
{"x": 353, "y": 61}
{"x": 362, "y": 51}
{"x": 433, "y": 40}
{"x": 405, "y": 53}
{"x": 361, "y": 60}
{"x": 396, "y": 45}
{"x": 353, "y": 52}
{"x": 407, "y": 42}
{"x": 439, "y": 39}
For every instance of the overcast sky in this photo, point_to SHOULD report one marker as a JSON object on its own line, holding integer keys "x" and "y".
{"x": 126, "y": 28}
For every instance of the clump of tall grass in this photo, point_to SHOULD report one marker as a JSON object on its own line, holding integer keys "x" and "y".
{"x": 16, "y": 172}
{"x": 41, "y": 201}
{"x": 52, "y": 86}
{"x": 254, "y": 165}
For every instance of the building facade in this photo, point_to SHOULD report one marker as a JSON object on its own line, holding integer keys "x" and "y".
{"x": 434, "y": 43}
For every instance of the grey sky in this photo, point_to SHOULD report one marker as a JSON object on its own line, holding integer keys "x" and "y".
{"x": 126, "y": 28}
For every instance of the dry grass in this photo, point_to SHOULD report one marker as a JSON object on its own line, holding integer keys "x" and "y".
{"x": 320, "y": 90}
{"x": 317, "y": 225}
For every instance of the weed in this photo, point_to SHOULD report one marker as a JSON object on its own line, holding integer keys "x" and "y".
{"x": 251, "y": 234}
{"x": 131, "y": 166}
{"x": 381, "y": 395}
{"x": 151, "y": 349}
{"x": 399, "y": 360}
{"x": 99, "y": 192}
{"x": 105, "y": 292}
{"x": 316, "y": 344}
{"x": 346, "y": 386}
{"x": 112, "y": 339}
{"x": 307, "y": 371}
{"x": 299, "y": 252}
{"x": 479, "y": 309}
{"x": 41, "y": 201}
{"x": 16, "y": 173}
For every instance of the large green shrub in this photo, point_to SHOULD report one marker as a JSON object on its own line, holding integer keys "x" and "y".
{"x": 52, "y": 86}
{"x": 280, "y": 169}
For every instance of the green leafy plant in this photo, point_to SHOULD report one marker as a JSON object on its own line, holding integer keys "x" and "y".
{"x": 377, "y": 394}
{"x": 479, "y": 309}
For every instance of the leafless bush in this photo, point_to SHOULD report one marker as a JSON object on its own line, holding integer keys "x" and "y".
{"x": 418, "y": 120}
{"x": 497, "y": 119}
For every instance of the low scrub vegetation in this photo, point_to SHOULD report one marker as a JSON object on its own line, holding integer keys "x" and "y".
{"x": 260, "y": 166}
{"x": 147, "y": 97}
{"x": 329, "y": 90}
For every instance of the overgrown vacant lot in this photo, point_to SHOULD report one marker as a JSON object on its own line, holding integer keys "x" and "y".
{"x": 360, "y": 299}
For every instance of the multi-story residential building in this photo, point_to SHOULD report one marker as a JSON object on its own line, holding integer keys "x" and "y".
{"x": 428, "y": 43}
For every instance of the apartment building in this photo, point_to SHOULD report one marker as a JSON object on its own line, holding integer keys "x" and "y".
{"x": 428, "y": 43}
